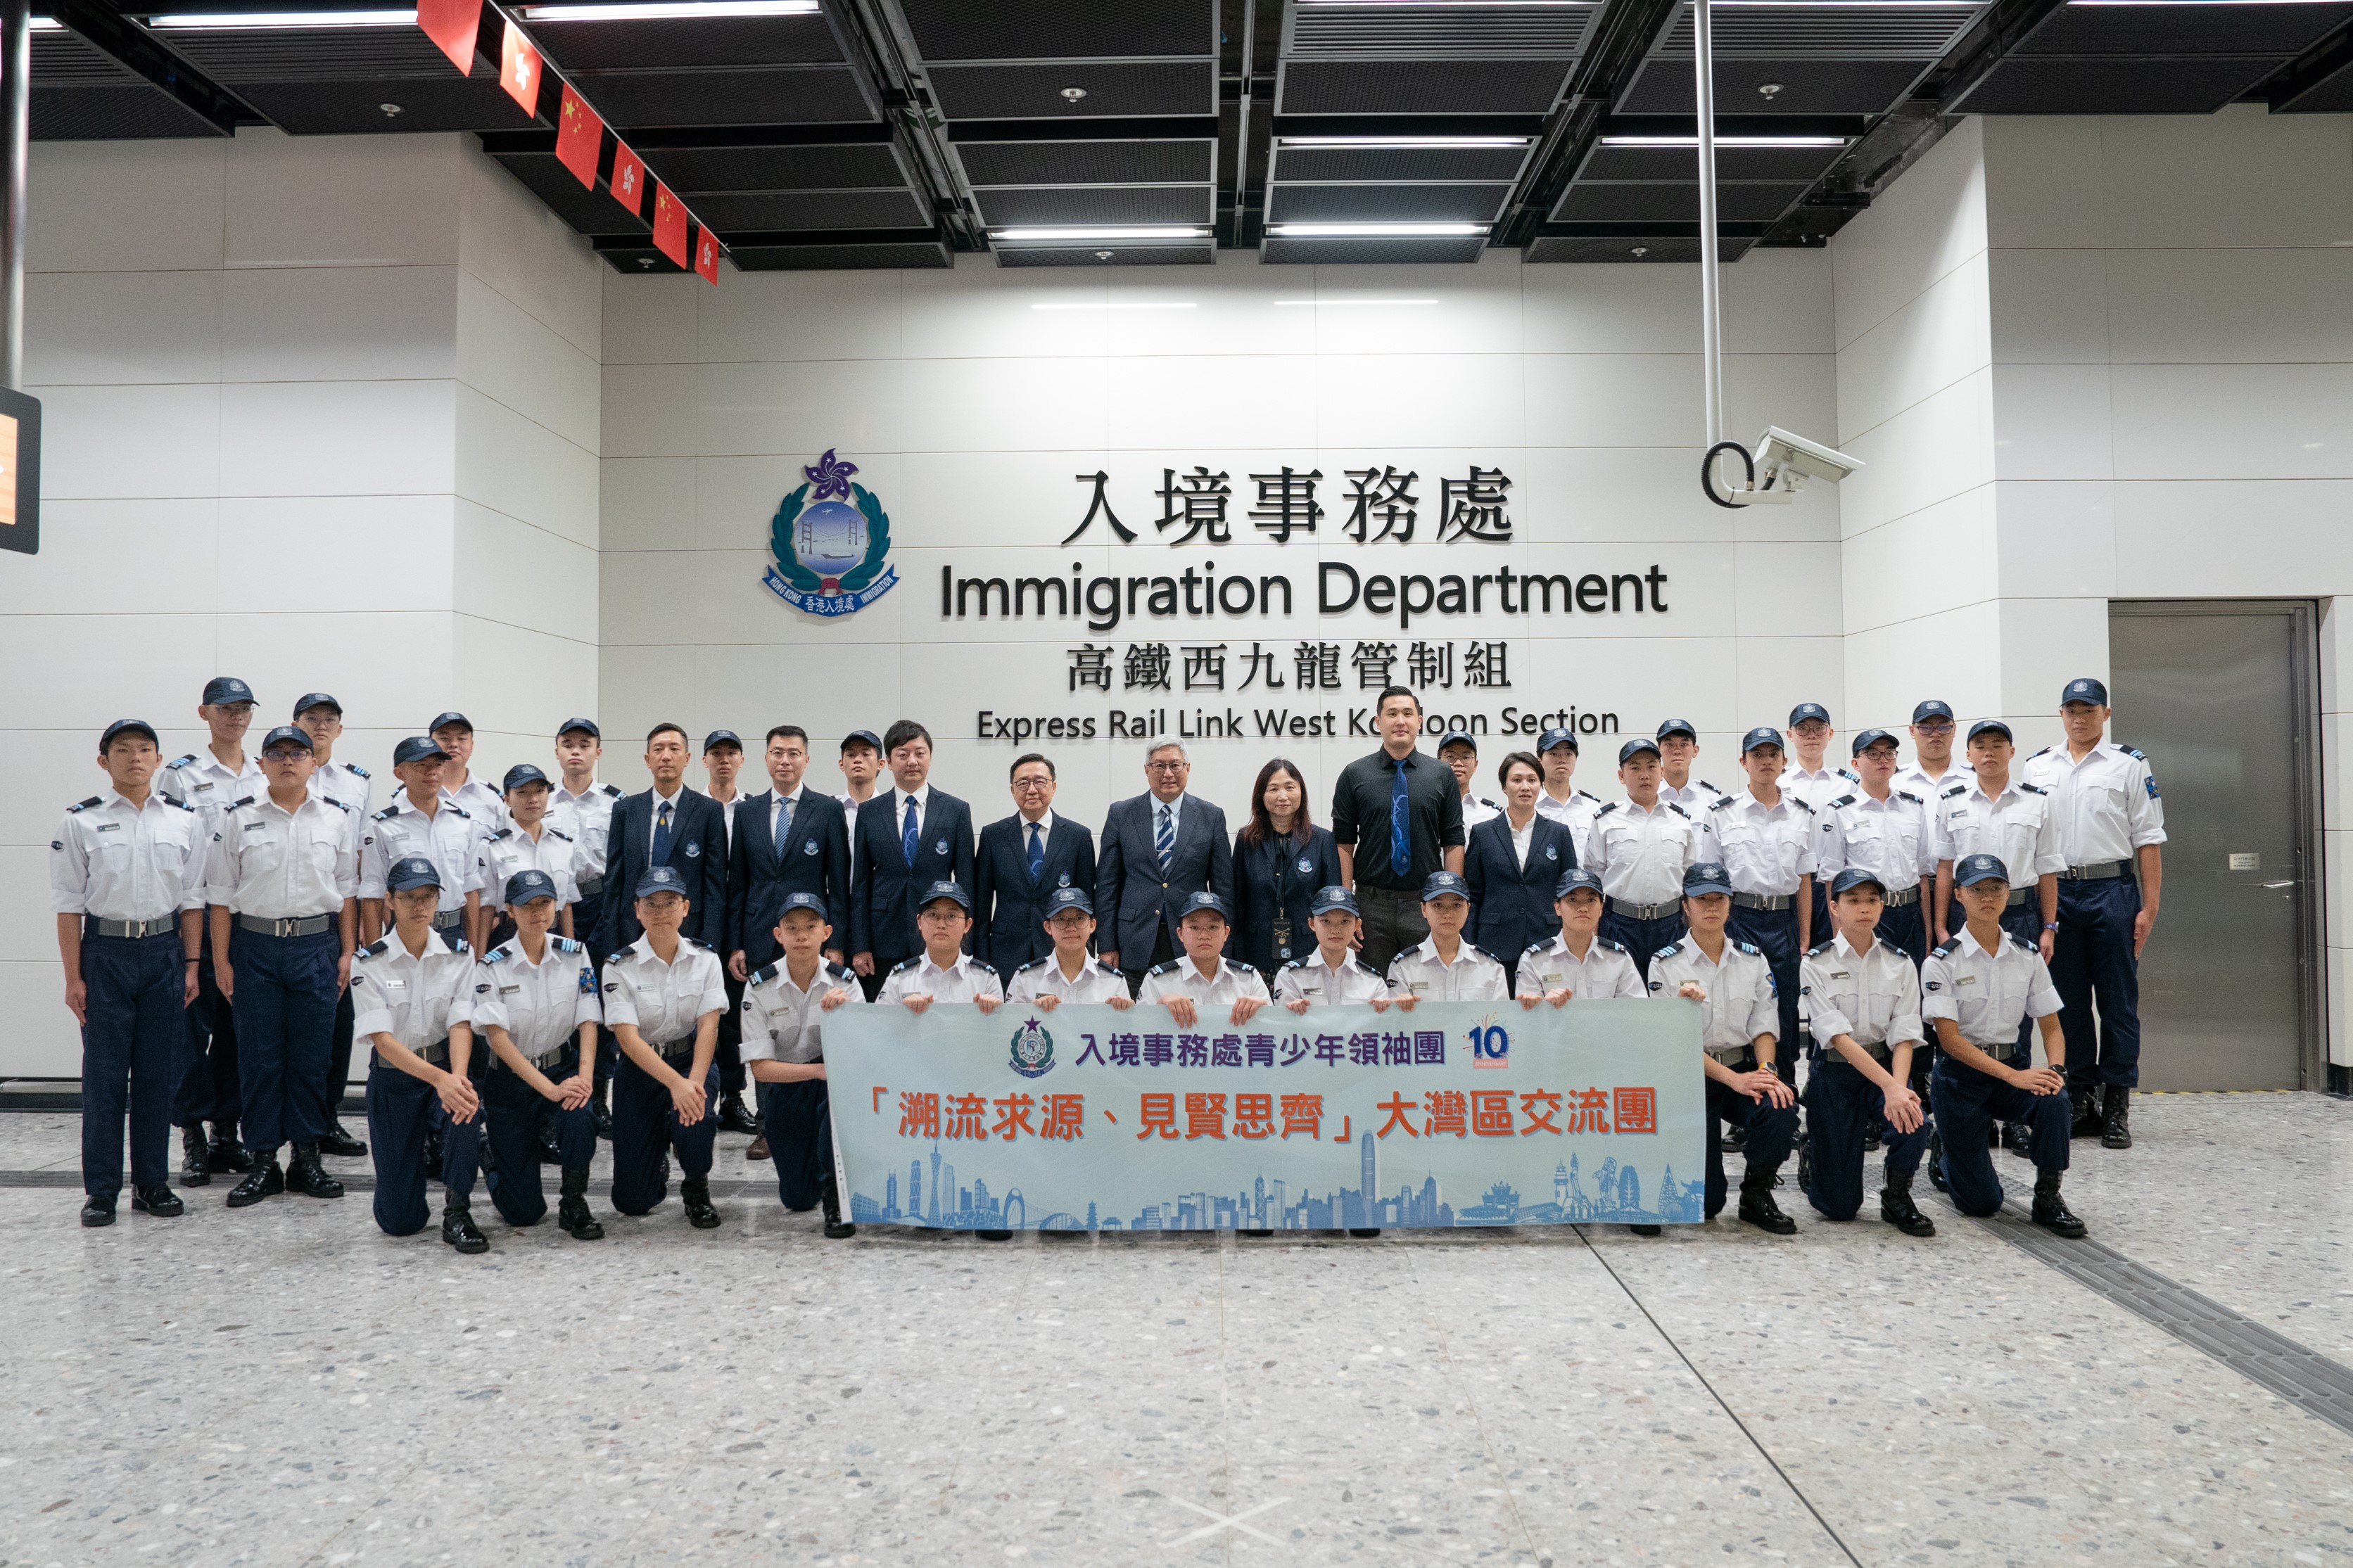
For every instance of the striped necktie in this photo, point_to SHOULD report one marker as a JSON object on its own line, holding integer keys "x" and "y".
{"x": 1163, "y": 839}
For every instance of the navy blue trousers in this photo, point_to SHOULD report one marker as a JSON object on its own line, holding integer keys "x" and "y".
{"x": 1903, "y": 930}
{"x": 339, "y": 1055}
{"x": 1772, "y": 1131}
{"x": 1840, "y": 1104}
{"x": 1640, "y": 938}
{"x": 1775, "y": 932}
{"x": 205, "y": 1068}
{"x": 586, "y": 914}
{"x": 513, "y": 1109}
{"x": 1967, "y": 1104}
{"x": 2023, "y": 922}
{"x": 134, "y": 1007}
{"x": 285, "y": 1026}
{"x": 800, "y": 1140}
{"x": 2092, "y": 959}
{"x": 645, "y": 1126}
{"x": 401, "y": 1110}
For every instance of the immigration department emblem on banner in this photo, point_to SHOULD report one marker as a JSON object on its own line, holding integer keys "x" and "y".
{"x": 1033, "y": 1050}
{"x": 829, "y": 538}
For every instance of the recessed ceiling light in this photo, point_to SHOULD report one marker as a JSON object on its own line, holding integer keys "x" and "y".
{"x": 1094, "y": 235}
{"x": 1724, "y": 141}
{"x": 669, "y": 10}
{"x": 1402, "y": 140}
{"x": 1371, "y": 231}
{"x": 224, "y": 21}
{"x": 46, "y": 25}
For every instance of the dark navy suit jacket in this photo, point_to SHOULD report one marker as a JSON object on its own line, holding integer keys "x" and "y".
{"x": 1257, "y": 870}
{"x": 698, "y": 852}
{"x": 1511, "y": 906}
{"x": 885, "y": 888}
{"x": 815, "y": 860}
{"x": 1010, "y": 907}
{"x": 1131, "y": 892}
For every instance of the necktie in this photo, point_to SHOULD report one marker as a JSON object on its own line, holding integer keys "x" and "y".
{"x": 1163, "y": 839}
{"x": 783, "y": 834}
{"x": 661, "y": 835}
{"x": 907, "y": 840}
{"x": 1037, "y": 851}
{"x": 1400, "y": 840}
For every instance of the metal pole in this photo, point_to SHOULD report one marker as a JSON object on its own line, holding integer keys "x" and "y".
{"x": 1242, "y": 116}
{"x": 16, "y": 138}
{"x": 1711, "y": 305}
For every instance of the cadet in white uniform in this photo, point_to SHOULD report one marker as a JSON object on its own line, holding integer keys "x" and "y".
{"x": 1460, "y": 753}
{"x": 126, "y": 883}
{"x": 1882, "y": 829}
{"x": 1974, "y": 989}
{"x": 454, "y": 733}
{"x": 583, "y": 808}
{"x": 663, "y": 995}
{"x": 1932, "y": 771}
{"x": 1639, "y": 848}
{"x": 1678, "y": 748}
{"x": 1765, "y": 838}
{"x": 528, "y": 843}
{"x": 943, "y": 972}
{"x": 1562, "y": 800}
{"x": 423, "y": 822}
{"x": 1811, "y": 779}
{"x": 319, "y": 716}
{"x": 1332, "y": 976}
{"x": 1069, "y": 974}
{"x": 1579, "y": 964}
{"x": 1734, "y": 986}
{"x": 784, "y": 1051}
{"x": 413, "y": 991}
{"x": 284, "y": 886}
{"x": 2011, "y": 821}
{"x": 1443, "y": 967}
{"x": 1200, "y": 985}
{"x": 2111, "y": 833}
{"x": 1863, "y": 1004}
{"x": 535, "y": 1009}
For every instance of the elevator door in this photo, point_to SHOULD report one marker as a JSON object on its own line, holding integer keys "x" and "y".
{"x": 2220, "y": 694}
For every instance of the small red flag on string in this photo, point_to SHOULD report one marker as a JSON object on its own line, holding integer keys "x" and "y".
{"x": 669, "y": 225}
{"x": 518, "y": 69}
{"x": 629, "y": 179}
{"x": 706, "y": 256}
{"x": 451, "y": 24}
{"x": 579, "y": 137}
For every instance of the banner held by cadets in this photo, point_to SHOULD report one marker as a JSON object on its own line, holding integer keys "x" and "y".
{"x": 1456, "y": 1114}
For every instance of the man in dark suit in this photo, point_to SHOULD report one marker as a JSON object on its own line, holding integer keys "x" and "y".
{"x": 905, "y": 839}
{"x": 788, "y": 839}
{"x": 669, "y": 824}
{"x": 1023, "y": 859}
{"x": 1158, "y": 849}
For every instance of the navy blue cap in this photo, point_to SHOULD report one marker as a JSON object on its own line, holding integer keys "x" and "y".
{"x": 1976, "y": 868}
{"x": 1706, "y": 877}
{"x": 569, "y": 725}
{"x": 660, "y": 880}
{"x": 1805, "y": 710}
{"x": 1559, "y": 735}
{"x": 945, "y": 887}
{"x": 443, "y": 721}
{"x": 1196, "y": 903}
{"x": 1868, "y": 739}
{"x": 1934, "y": 707}
{"x": 1443, "y": 885}
{"x": 1452, "y": 736}
{"x": 1069, "y": 899}
{"x": 1577, "y": 877}
{"x": 1635, "y": 747}
{"x": 286, "y": 735}
{"x": 1991, "y": 726}
{"x": 2084, "y": 688}
{"x": 411, "y": 871}
{"x": 1855, "y": 877}
{"x": 1677, "y": 727}
{"x": 520, "y": 774}
{"x": 527, "y": 884}
{"x": 1334, "y": 896}
{"x": 417, "y": 749}
{"x": 226, "y": 688}
{"x": 128, "y": 727}
{"x": 310, "y": 700}
{"x": 804, "y": 900}
{"x": 1763, "y": 735}
{"x": 869, "y": 736}
{"x": 723, "y": 738}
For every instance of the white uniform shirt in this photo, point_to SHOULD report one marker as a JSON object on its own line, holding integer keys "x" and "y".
{"x": 1476, "y": 810}
{"x": 277, "y": 865}
{"x": 452, "y": 838}
{"x": 1873, "y": 996}
{"x": 1312, "y": 980}
{"x": 2017, "y": 825}
{"x": 200, "y": 780}
{"x": 1765, "y": 848}
{"x": 1097, "y": 982}
{"x": 1741, "y": 1002}
{"x": 1419, "y": 972}
{"x": 588, "y": 819}
{"x": 351, "y": 785}
{"x": 1988, "y": 995}
{"x": 1606, "y": 970}
{"x": 850, "y": 805}
{"x": 1576, "y": 814}
{"x": 415, "y": 999}
{"x": 918, "y": 976}
{"x": 1214, "y": 997}
{"x": 1696, "y": 796}
{"x": 540, "y": 1006}
{"x": 782, "y": 1022}
{"x": 1817, "y": 788}
{"x": 124, "y": 862}
{"x": 664, "y": 1002}
{"x": 1888, "y": 838}
{"x": 1639, "y": 855}
{"x": 510, "y": 849}
{"x": 481, "y": 800}
{"x": 727, "y": 814}
{"x": 1914, "y": 777}
{"x": 2106, "y": 805}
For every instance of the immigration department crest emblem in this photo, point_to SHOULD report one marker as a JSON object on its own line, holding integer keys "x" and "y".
{"x": 829, "y": 538}
{"x": 1033, "y": 1050}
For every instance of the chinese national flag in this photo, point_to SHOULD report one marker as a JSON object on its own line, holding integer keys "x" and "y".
{"x": 518, "y": 69}
{"x": 706, "y": 256}
{"x": 451, "y": 24}
{"x": 629, "y": 179}
{"x": 579, "y": 137}
{"x": 669, "y": 225}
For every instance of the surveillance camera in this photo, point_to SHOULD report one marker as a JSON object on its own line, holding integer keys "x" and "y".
{"x": 1785, "y": 461}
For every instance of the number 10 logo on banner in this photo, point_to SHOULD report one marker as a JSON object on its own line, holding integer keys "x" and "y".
{"x": 1491, "y": 1045}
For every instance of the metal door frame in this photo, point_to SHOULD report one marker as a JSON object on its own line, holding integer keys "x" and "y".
{"x": 2312, "y": 869}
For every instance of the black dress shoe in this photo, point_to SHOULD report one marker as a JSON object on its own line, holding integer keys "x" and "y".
{"x": 835, "y": 1230}
{"x": 304, "y": 1175}
{"x": 341, "y": 1143}
{"x": 2115, "y": 1121}
{"x": 1361, "y": 1231}
{"x": 265, "y": 1180}
{"x": 735, "y": 1118}
{"x": 1896, "y": 1207}
{"x": 1250, "y": 1233}
{"x": 993, "y": 1234}
{"x": 195, "y": 1157}
{"x": 1871, "y": 1139}
{"x": 2051, "y": 1209}
{"x": 1645, "y": 1229}
{"x": 2018, "y": 1138}
{"x": 161, "y": 1202}
{"x": 1936, "y": 1161}
{"x": 1805, "y": 1164}
{"x": 433, "y": 1156}
{"x": 229, "y": 1155}
{"x": 1758, "y": 1208}
{"x": 458, "y": 1228}
{"x": 601, "y": 1113}
{"x": 694, "y": 1192}
{"x": 97, "y": 1212}
{"x": 2089, "y": 1121}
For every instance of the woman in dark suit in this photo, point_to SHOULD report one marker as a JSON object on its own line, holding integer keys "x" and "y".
{"x": 1511, "y": 890}
{"x": 1280, "y": 859}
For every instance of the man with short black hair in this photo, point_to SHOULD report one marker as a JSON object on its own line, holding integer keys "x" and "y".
{"x": 583, "y": 808}
{"x": 1560, "y": 799}
{"x": 1460, "y": 751}
{"x": 1160, "y": 848}
{"x": 669, "y": 824}
{"x": 905, "y": 839}
{"x": 722, "y": 759}
{"x": 1397, "y": 817}
{"x": 454, "y": 733}
{"x": 1024, "y": 860}
{"x": 319, "y": 716}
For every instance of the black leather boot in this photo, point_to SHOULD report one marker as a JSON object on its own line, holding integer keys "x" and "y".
{"x": 457, "y": 1227}
{"x": 433, "y": 1154}
{"x": 304, "y": 1175}
{"x": 195, "y": 1157}
{"x": 340, "y": 1143}
{"x": 1805, "y": 1164}
{"x": 572, "y": 1216}
{"x": 695, "y": 1194}
{"x": 161, "y": 1202}
{"x": 1757, "y": 1207}
{"x": 2116, "y": 1121}
{"x": 600, "y": 1108}
{"x": 97, "y": 1213}
{"x": 549, "y": 1152}
{"x": 2018, "y": 1138}
{"x": 1896, "y": 1208}
{"x": 229, "y": 1155}
{"x": 1935, "y": 1161}
{"x": 735, "y": 1118}
{"x": 2088, "y": 1120}
{"x": 2051, "y": 1209}
{"x": 265, "y": 1180}
{"x": 834, "y": 1229}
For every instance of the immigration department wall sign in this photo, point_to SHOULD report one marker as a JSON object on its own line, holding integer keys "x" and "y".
{"x": 830, "y": 538}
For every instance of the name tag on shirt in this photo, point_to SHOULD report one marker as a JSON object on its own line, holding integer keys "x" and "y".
{"x": 1960, "y": 981}
{"x": 390, "y": 984}
{"x": 1416, "y": 985}
{"x": 110, "y": 828}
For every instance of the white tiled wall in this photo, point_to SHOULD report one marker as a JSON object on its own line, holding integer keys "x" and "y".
{"x": 320, "y": 413}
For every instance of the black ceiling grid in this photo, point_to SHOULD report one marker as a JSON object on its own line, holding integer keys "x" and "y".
{"x": 100, "y": 76}
{"x": 2148, "y": 58}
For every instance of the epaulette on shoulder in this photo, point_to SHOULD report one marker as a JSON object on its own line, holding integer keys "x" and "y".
{"x": 500, "y": 954}
{"x": 982, "y": 964}
{"x": 1606, "y": 810}
{"x": 612, "y": 790}
{"x": 1296, "y": 964}
{"x": 1800, "y": 802}
{"x": 1842, "y": 802}
{"x": 1621, "y": 947}
{"x": 566, "y": 945}
{"x": 2038, "y": 751}
{"x": 1750, "y": 947}
{"x": 502, "y": 833}
{"x": 181, "y": 762}
{"x": 1947, "y": 948}
{"x": 843, "y": 972}
{"x": 2019, "y": 941}
{"x": 453, "y": 808}
{"x": 907, "y": 964}
{"x": 83, "y": 806}
{"x": 698, "y": 942}
{"x": 1819, "y": 948}
{"x": 1106, "y": 968}
{"x": 240, "y": 801}
{"x": 1907, "y": 794}
{"x": 1539, "y": 946}
{"x": 561, "y": 833}
{"x": 183, "y": 804}
{"x": 1236, "y": 963}
{"x": 358, "y": 771}
{"x": 1489, "y": 804}
{"x": 1034, "y": 964}
{"x": 1956, "y": 789}
{"x": 375, "y": 947}
{"x": 765, "y": 974}
{"x": 2032, "y": 789}
{"x": 338, "y": 805}
{"x": 387, "y": 814}
{"x": 2135, "y": 752}
{"x": 458, "y": 945}
{"x": 621, "y": 952}
{"x": 1589, "y": 796}
{"x": 1669, "y": 951}
{"x": 1679, "y": 810}
{"x": 1850, "y": 775}
{"x": 1707, "y": 786}
{"x": 1719, "y": 805}
{"x": 1167, "y": 968}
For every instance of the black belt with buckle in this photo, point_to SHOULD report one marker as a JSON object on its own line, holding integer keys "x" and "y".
{"x": 437, "y": 1054}
{"x": 447, "y": 920}
{"x": 590, "y": 887}
{"x": 2017, "y": 897}
{"x": 677, "y": 1050}
{"x": 2098, "y": 871}
{"x": 1904, "y": 897}
{"x": 1763, "y": 900}
{"x": 1634, "y": 912}
{"x": 134, "y": 930}
{"x": 547, "y": 1059}
{"x": 300, "y": 925}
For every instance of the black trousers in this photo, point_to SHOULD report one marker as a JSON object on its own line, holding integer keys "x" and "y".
{"x": 205, "y": 1068}
{"x": 801, "y": 1141}
{"x": 1641, "y": 937}
{"x": 512, "y": 1109}
{"x": 401, "y": 1110}
{"x": 1776, "y": 931}
{"x": 1967, "y": 1104}
{"x": 646, "y": 1128}
{"x": 133, "y": 1006}
{"x": 1772, "y": 1131}
{"x": 1842, "y": 1105}
{"x": 1393, "y": 923}
{"x": 2091, "y": 959}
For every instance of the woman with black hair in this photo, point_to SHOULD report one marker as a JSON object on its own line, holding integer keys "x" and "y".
{"x": 1280, "y": 859}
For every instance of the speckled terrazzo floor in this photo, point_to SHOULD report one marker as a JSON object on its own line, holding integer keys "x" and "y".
{"x": 285, "y": 1385}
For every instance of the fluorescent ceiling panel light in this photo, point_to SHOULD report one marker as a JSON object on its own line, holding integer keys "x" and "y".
{"x": 1325, "y": 304}
{"x": 1371, "y": 231}
{"x": 669, "y": 10}
{"x": 1402, "y": 140}
{"x": 1096, "y": 235}
{"x": 231, "y": 21}
{"x": 1725, "y": 140}
{"x": 1115, "y": 305}
{"x": 46, "y": 25}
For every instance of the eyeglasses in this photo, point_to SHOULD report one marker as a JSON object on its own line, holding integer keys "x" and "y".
{"x": 1031, "y": 781}
{"x": 1935, "y": 726}
{"x": 1174, "y": 767}
{"x": 283, "y": 754}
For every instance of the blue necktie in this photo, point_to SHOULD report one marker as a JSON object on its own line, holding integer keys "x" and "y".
{"x": 1400, "y": 840}
{"x": 1165, "y": 839}
{"x": 784, "y": 830}
{"x": 661, "y": 835}
{"x": 1037, "y": 851}
{"x": 907, "y": 840}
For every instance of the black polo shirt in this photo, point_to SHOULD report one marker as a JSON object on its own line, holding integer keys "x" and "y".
{"x": 1360, "y": 816}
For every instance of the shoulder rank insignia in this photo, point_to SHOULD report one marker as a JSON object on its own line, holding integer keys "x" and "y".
{"x": 566, "y": 945}
{"x": 763, "y": 975}
{"x": 181, "y": 762}
{"x": 1947, "y": 948}
{"x": 1956, "y": 789}
{"x": 1679, "y": 810}
{"x": 907, "y": 964}
{"x": 502, "y": 833}
{"x": 1842, "y": 802}
{"x": 561, "y": 833}
{"x": 1167, "y": 968}
{"x": 374, "y": 948}
{"x": 1031, "y": 965}
{"x": 386, "y": 815}
{"x": 1800, "y": 802}
{"x": 83, "y": 806}
{"x": 1818, "y": 949}
{"x": 1907, "y": 795}
{"x": 1669, "y": 951}
{"x": 1751, "y": 947}
{"x": 455, "y": 809}
{"x": 357, "y": 772}
{"x": 1605, "y": 811}
{"x": 610, "y": 790}
{"x": 2032, "y": 789}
